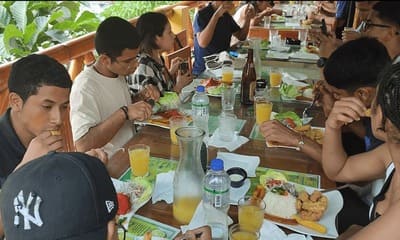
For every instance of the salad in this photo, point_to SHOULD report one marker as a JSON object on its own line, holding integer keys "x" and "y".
{"x": 294, "y": 92}
{"x": 290, "y": 119}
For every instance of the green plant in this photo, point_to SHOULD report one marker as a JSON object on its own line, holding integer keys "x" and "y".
{"x": 129, "y": 10}
{"x": 29, "y": 26}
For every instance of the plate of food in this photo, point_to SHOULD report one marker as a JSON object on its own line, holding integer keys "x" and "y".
{"x": 213, "y": 87}
{"x": 293, "y": 121}
{"x": 296, "y": 91}
{"x": 161, "y": 119}
{"x": 300, "y": 208}
{"x": 277, "y": 18}
{"x": 132, "y": 194}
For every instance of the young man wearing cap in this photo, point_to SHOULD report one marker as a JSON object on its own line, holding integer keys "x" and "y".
{"x": 59, "y": 196}
{"x": 101, "y": 106}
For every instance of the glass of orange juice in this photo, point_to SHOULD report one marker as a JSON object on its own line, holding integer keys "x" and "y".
{"x": 263, "y": 109}
{"x": 275, "y": 77}
{"x": 238, "y": 232}
{"x": 184, "y": 207}
{"x": 176, "y": 122}
{"x": 251, "y": 213}
{"x": 139, "y": 157}
{"x": 227, "y": 73}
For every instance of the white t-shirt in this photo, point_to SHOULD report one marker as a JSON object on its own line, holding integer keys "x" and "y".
{"x": 93, "y": 99}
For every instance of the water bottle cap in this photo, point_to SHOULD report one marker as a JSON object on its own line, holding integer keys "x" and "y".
{"x": 200, "y": 88}
{"x": 217, "y": 164}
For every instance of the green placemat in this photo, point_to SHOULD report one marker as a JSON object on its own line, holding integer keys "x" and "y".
{"x": 256, "y": 134}
{"x": 160, "y": 165}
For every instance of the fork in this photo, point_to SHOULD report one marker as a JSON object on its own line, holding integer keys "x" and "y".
{"x": 305, "y": 114}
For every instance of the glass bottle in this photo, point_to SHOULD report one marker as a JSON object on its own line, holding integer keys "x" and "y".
{"x": 189, "y": 174}
{"x": 248, "y": 84}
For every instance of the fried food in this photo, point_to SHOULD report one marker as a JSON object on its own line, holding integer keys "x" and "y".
{"x": 312, "y": 133}
{"x": 259, "y": 192}
{"x": 311, "y": 207}
{"x": 55, "y": 132}
{"x": 311, "y": 224}
{"x": 147, "y": 236}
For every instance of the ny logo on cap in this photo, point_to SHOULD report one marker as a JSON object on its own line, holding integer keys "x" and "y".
{"x": 110, "y": 205}
{"x": 22, "y": 208}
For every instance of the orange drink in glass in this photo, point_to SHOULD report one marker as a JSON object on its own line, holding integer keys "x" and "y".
{"x": 251, "y": 213}
{"x": 238, "y": 232}
{"x": 263, "y": 109}
{"x": 176, "y": 122}
{"x": 275, "y": 78}
{"x": 227, "y": 74}
{"x": 139, "y": 157}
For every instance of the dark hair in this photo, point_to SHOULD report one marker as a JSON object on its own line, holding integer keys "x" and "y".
{"x": 254, "y": 3}
{"x": 356, "y": 64}
{"x": 114, "y": 35}
{"x": 388, "y": 97}
{"x": 150, "y": 25}
{"x": 34, "y": 71}
{"x": 388, "y": 11}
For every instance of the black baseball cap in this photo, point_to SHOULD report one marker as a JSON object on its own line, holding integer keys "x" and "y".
{"x": 58, "y": 196}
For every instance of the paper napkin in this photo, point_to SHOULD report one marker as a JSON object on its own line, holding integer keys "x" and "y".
{"x": 237, "y": 141}
{"x": 163, "y": 189}
{"x": 237, "y": 193}
{"x": 248, "y": 163}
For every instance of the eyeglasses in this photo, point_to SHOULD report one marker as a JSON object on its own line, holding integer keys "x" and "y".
{"x": 120, "y": 226}
{"x": 365, "y": 25}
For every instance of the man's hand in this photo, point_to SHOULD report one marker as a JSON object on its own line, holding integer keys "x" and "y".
{"x": 275, "y": 131}
{"x": 100, "y": 154}
{"x": 220, "y": 11}
{"x": 201, "y": 233}
{"x": 139, "y": 111}
{"x": 149, "y": 91}
{"x": 41, "y": 145}
{"x": 345, "y": 111}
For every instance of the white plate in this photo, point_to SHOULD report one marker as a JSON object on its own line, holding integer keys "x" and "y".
{"x": 335, "y": 204}
{"x": 296, "y": 76}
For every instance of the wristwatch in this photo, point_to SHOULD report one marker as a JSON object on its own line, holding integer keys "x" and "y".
{"x": 321, "y": 62}
{"x": 300, "y": 143}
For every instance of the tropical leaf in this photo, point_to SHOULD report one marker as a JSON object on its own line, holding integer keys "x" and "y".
{"x": 87, "y": 21}
{"x": 4, "y": 17}
{"x": 73, "y": 8}
{"x": 65, "y": 25}
{"x": 55, "y": 16}
{"x": 18, "y": 11}
{"x": 57, "y": 36}
{"x": 40, "y": 24}
{"x": 11, "y": 32}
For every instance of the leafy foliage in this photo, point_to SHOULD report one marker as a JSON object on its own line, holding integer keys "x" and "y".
{"x": 29, "y": 26}
{"x": 132, "y": 9}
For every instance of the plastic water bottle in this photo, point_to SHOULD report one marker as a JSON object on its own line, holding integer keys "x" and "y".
{"x": 216, "y": 187}
{"x": 200, "y": 109}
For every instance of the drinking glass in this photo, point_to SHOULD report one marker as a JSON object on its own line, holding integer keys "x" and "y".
{"x": 176, "y": 122}
{"x": 227, "y": 126}
{"x": 227, "y": 74}
{"x": 228, "y": 97}
{"x": 251, "y": 213}
{"x": 275, "y": 77}
{"x": 263, "y": 109}
{"x": 238, "y": 232}
{"x": 139, "y": 156}
{"x": 302, "y": 35}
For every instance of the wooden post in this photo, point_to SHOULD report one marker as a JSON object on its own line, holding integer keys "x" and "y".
{"x": 180, "y": 19}
{"x": 76, "y": 67}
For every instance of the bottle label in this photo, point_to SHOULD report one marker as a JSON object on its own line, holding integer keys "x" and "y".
{"x": 252, "y": 89}
{"x": 200, "y": 109}
{"x": 217, "y": 196}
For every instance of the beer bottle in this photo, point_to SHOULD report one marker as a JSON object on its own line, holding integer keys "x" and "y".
{"x": 248, "y": 80}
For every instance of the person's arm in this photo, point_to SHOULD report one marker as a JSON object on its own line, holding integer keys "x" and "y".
{"x": 335, "y": 162}
{"x": 204, "y": 37}
{"x": 244, "y": 30}
{"x": 102, "y": 133}
{"x": 274, "y": 131}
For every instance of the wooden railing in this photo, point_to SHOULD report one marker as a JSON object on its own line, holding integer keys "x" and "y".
{"x": 79, "y": 52}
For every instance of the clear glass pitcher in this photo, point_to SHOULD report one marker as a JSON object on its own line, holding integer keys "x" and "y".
{"x": 189, "y": 174}
{"x": 255, "y": 43}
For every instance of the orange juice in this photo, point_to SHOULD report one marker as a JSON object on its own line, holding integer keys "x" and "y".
{"x": 139, "y": 157}
{"x": 263, "y": 110}
{"x": 243, "y": 236}
{"x": 227, "y": 77}
{"x": 183, "y": 208}
{"x": 172, "y": 134}
{"x": 251, "y": 217}
{"x": 275, "y": 79}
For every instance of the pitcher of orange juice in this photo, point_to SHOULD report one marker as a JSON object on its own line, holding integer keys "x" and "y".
{"x": 188, "y": 175}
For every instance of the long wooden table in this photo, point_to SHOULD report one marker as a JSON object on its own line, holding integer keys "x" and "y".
{"x": 278, "y": 158}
